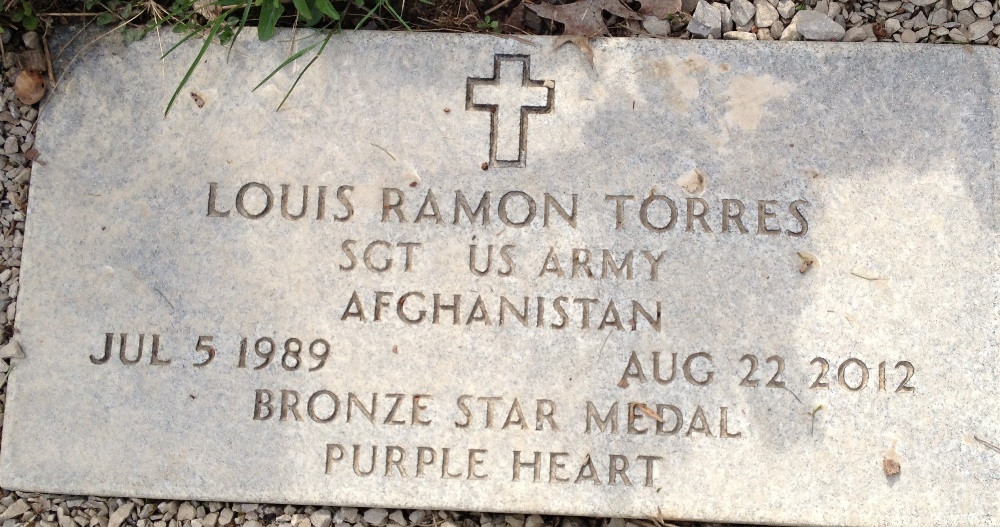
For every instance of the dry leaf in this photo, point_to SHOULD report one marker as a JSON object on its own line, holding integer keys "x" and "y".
{"x": 807, "y": 261}
{"x": 648, "y": 411}
{"x": 584, "y": 17}
{"x": 582, "y": 43}
{"x": 210, "y": 9}
{"x": 31, "y": 59}
{"x": 891, "y": 467}
{"x": 197, "y": 99}
{"x": 515, "y": 21}
{"x": 29, "y": 86}
{"x": 659, "y": 8}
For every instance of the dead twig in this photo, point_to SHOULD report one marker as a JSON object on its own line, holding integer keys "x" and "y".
{"x": 48, "y": 55}
{"x": 987, "y": 444}
{"x": 498, "y": 6}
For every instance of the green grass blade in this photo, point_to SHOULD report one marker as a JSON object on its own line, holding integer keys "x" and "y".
{"x": 287, "y": 61}
{"x": 183, "y": 40}
{"x": 176, "y": 12}
{"x": 304, "y": 70}
{"x": 239, "y": 28}
{"x": 395, "y": 14}
{"x": 366, "y": 17}
{"x": 197, "y": 60}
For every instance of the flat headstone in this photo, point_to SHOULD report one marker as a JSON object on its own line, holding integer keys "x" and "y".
{"x": 693, "y": 280}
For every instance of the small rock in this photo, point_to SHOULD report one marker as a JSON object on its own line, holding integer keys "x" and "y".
{"x": 791, "y": 32}
{"x": 349, "y": 514}
{"x": 922, "y": 3}
{"x": 11, "y": 350}
{"x": 959, "y": 5}
{"x": 10, "y": 146}
{"x": 706, "y": 22}
{"x": 919, "y": 21}
{"x": 855, "y": 34}
{"x": 786, "y": 8}
{"x": 739, "y": 35}
{"x": 120, "y": 514}
{"x": 890, "y": 6}
{"x": 957, "y": 35}
{"x": 397, "y": 518}
{"x": 980, "y": 29}
{"x": 185, "y": 512}
{"x": 31, "y": 40}
{"x": 964, "y": 18}
{"x": 776, "y": 29}
{"x": 813, "y": 25}
{"x": 417, "y": 516}
{"x": 891, "y": 26}
{"x": 982, "y": 9}
{"x": 938, "y": 17}
{"x": 514, "y": 520}
{"x": 908, "y": 36}
{"x": 226, "y": 516}
{"x": 20, "y": 506}
{"x": 321, "y": 518}
{"x": 656, "y": 27}
{"x": 535, "y": 520}
{"x": 743, "y": 12}
{"x": 376, "y": 517}
{"x": 725, "y": 15}
{"x": 765, "y": 14}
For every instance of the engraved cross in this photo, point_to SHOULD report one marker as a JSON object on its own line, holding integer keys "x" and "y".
{"x": 510, "y": 96}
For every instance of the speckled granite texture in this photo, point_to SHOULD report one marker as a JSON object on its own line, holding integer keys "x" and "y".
{"x": 706, "y": 281}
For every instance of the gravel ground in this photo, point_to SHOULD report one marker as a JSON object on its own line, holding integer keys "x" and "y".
{"x": 912, "y": 21}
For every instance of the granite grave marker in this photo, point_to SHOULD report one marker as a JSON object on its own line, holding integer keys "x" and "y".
{"x": 694, "y": 280}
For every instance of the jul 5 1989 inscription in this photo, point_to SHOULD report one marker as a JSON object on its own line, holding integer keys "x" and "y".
{"x": 691, "y": 280}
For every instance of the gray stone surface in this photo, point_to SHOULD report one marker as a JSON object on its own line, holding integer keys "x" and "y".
{"x": 883, "y": 253}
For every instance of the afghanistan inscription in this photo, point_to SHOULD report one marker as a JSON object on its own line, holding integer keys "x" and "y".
{"x": 691, "y": 280}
